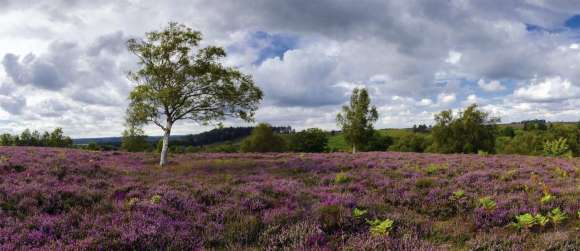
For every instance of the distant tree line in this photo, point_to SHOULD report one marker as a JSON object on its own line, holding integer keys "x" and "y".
{"x": 421, "y": 128}
{"x": 470, "y": 130}
{"x": 135, "y": 140}
{"x": 224, "y": 134}
{"x": 56, "y": 138}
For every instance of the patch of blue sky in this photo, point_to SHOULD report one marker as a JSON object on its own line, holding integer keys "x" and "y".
{"x": 573, "y": 22}
{"x": 537, "y": 28}
{"x": 271, "y": 45}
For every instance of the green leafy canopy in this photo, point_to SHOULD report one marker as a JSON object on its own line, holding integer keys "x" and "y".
{"x": 178, "y": 80}
{"x": 356, "y": 120}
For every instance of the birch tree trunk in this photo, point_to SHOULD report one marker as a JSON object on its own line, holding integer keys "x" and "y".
{"x": 165, "y": 148}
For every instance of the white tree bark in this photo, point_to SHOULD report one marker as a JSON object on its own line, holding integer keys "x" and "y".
{"x": 165, "y": 148}
{"x": 353, "y": 148}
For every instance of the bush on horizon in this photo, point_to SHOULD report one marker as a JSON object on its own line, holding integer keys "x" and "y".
{"x": 312, "y": 140}
{"x": 263, "y": 139}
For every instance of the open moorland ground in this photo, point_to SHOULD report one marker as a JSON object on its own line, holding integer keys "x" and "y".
{"x": 63, "y": 199}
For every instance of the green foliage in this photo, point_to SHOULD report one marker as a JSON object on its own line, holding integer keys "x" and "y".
{"x": 547, "y": 198}
{"x": 356, "y": 120}
{"x": 341, "y": 178}
{"x": 524, "y": 221}
{"x": 93, "y": 146}
{"x": 155, "y": 199}
{"x": 529, "y": 143}
{"x": 134, "y": 139}
{"x": 542, "y": 142}
{"x": 358, "y": 213}
{"x": 561, "y": 173}
{"x": 556, "y": 148}
{"x": 435, "y": 168}
{"x": 55, "y": 138}
{"x": 458, "y": 194}
{"x": 536, "y": 124}
{"x": 471, "y": 131}
{"x": 411, "y": 142}
{"x": 487, "y": 203}
{"x": 178, "y": 80}
{"x": 557, "y": 216}
{"x": 380, "y": 227}
{"x": 527, "y": 221}
{"x": 263, "y": 139}
{"x": 221, "y": 148}
{"x": 378, "y": 142}
{"x": 541, "y": 220}
{"x": 310, "y": 140}
{"x": 507, "y": 131}
{"x": 482, "y": 153}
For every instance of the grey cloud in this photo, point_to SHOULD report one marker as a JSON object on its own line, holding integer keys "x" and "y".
{"x": 97, "y": 97}
{"x": 13, "y": 104}
{"x": 40, "y": 74}
{"x": 90, "y": 74}
{"x": 52, "y": 108}
{"x": 113, "y": 43}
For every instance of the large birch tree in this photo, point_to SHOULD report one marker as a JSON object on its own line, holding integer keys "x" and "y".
{"x": 178, "y": 80}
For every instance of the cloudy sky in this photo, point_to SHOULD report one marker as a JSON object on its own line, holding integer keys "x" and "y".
{"x": 64, "y": 62}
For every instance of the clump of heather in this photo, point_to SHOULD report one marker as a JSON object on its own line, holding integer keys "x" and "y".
{"x": 65, "y": 199}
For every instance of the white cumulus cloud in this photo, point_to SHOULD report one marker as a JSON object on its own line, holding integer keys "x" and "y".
{"x": 491, "y": 86}
{"x": 549, "y": 89}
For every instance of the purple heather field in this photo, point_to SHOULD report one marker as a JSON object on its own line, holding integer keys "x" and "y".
{"x": 63, "y": 199}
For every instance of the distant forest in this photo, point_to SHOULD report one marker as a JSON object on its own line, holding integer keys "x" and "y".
{"x": 529, "y": 137}
{"x": 216, "y": 135}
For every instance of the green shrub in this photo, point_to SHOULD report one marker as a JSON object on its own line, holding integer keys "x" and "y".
{"x": 458, "y": 194}
{"x": 524, "y": 221}
{"x": 556, "y": 148}
{"x": 263, "y": 139}
{"x": 547, "y": 198}
{"x": 155, "y": 199}
{"x": 134, "y": 139}
{"x": 435, "y": 168}
{"x": 380, "y": 227}
{"x": 358, "y": 213}
{"x": 411, "y": 142}
{"x": 487, "y": 203}
{"x": 378, "y": 142}
{"x": 541, "y": 220}
{"x": 341, "y": 178}
{"x": 557, "y": 216}
{"x": 310, "y": 140}
{"x": 469, "y": 132}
